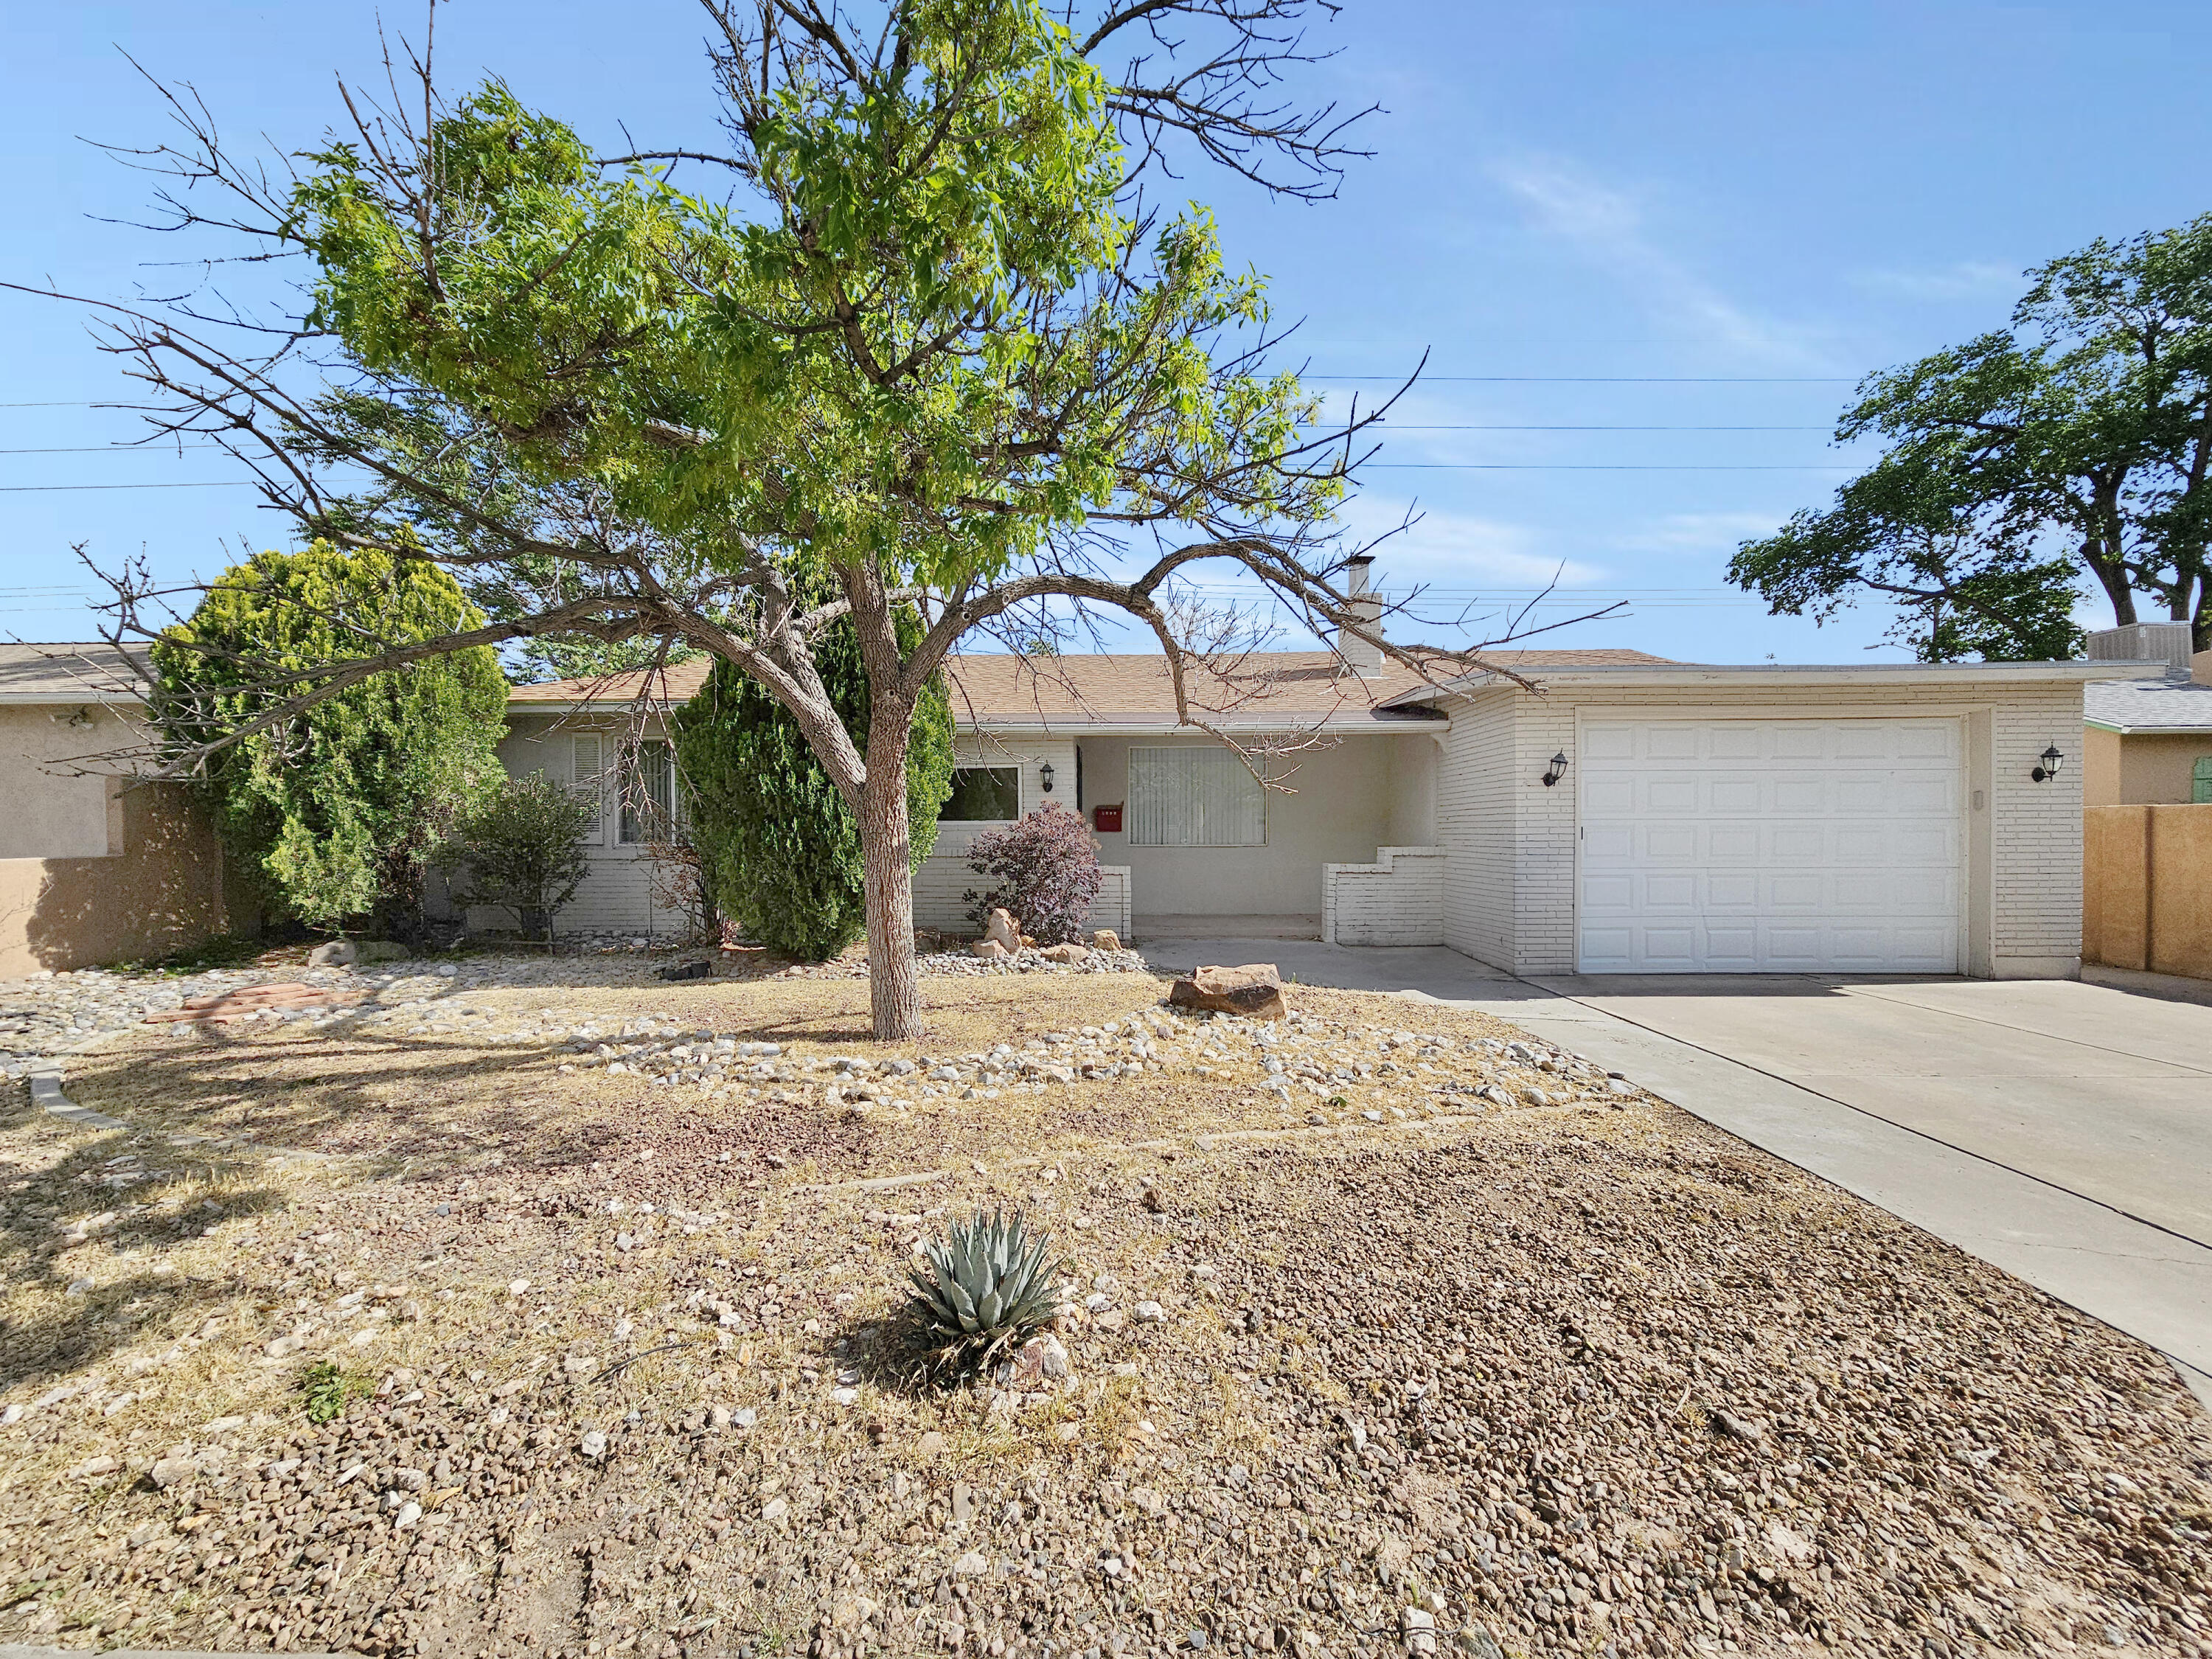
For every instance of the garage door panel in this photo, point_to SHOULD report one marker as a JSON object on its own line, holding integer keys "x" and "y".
{"x": 1922, "y": 795}
{"x": 1927, "y": 740}
{"x": 1726, "y": 891}
{"x": 1733, "y": 845}
{"x": 1798, "y": 844}
{"x": 1807, "y": 797}
{"x": 1778, "y": 846}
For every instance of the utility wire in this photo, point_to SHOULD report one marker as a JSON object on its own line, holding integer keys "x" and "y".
{"x": 1582, "y": 466}
{"x": 1317, "y": 426}
{"x": 213, "y": 483}
{"x": 1604, "y": 380}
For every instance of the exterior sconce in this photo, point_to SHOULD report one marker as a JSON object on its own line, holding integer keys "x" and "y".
{"x": 1556, "y": 771}
{"x": 2052, "y": 761}
{"x": 1044, "y": 776}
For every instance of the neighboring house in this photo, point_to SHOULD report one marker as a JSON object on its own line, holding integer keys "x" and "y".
{"x": 2147, "y": 738}
{"x": 2146, "y": 782}
{"x": 1627, "y": 814}
{"x": 91, "y": 871}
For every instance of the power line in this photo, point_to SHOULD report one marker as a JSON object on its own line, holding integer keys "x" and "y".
{"x": 216, "y": 484}
{"x": 1393, "y": 426}
{"x": 1581, "y": 466}
{"x": 1604, "y": 380}
{"x": 107, "y": 449}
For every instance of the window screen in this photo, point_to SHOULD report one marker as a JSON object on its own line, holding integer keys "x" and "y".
{"x": 1191, "y": 796}
{"x": 648, "y": 811}
{"x": 983, "y": 794}
{"x": 2200, "y": 782}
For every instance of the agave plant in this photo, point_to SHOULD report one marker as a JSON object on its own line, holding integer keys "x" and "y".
{"x": 987, "y": 1286}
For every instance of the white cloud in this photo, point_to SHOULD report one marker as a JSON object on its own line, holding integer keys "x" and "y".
{"x": 1460, "y": 551}
{"x": 1609, "y": 228}
{"x": 1968, "y": 279}
{"x": 1698, "y": 532}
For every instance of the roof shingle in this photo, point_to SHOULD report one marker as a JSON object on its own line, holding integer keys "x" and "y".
{"x": 1264, "y": 688}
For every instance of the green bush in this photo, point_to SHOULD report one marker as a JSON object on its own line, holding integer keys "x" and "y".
{"x": 521, "y": 850}
{"x": 779, "y": 849}
{"x": 334, "y": 811}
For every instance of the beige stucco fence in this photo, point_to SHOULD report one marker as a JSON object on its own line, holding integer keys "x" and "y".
{"x": 2147, "y": 888}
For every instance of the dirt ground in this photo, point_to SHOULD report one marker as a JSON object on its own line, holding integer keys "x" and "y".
{"x": 1391, "y": 1329}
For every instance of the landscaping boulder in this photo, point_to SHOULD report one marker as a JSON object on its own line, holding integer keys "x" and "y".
{"x": 334, "y": 953}
{"x": 1068, "y": 953}
{"x": 1105, "y": 940}
{"x": 1002, "y": 930}
{"x": 1255, "y": 991}
{"x": 990, "y": 950}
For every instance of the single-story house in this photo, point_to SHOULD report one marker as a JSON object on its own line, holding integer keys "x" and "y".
{"x": 90, "y": 871}
{"x": 1620, "y": 813}
{"x": 2147, "y": 739}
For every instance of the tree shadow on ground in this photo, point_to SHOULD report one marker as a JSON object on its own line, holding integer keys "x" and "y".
{"x": 58, "y": 1334}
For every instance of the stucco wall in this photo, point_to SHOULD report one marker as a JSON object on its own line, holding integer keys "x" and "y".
{"x": 48, "y": 813}
{"x": 1337, "y": 809}
{"x": 156, "y": 886}
{"x": 2147, "y": 892}
{"x": 2143, "y": 769}
{"x": 1509, "y": 894}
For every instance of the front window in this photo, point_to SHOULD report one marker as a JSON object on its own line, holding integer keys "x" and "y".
{"x": 648, "y": 808}
{"x": 983, "y": 794}
{"x": 1195, "y": 796}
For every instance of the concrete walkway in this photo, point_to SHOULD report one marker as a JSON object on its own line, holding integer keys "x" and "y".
{"x": 2059, "y": 1130}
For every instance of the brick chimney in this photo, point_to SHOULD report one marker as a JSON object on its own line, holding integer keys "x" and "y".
{"x": 1361, "y": 657}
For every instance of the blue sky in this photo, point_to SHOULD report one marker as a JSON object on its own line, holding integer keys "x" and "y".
{"x": 1647, "y": 248}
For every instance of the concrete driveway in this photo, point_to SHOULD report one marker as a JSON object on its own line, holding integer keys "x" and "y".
{"x": 2060, "y": 1130}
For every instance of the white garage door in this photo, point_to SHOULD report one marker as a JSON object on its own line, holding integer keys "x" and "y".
{"x": 1770, "y": 847}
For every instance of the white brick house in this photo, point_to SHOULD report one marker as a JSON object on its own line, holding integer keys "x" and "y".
{"x": 1626, "y": 814}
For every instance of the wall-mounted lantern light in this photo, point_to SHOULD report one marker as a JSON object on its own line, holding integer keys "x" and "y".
{"x": 1556, "y": 771}
{"x": 1044, "y": 776}
{"x": 2052, "y": 761}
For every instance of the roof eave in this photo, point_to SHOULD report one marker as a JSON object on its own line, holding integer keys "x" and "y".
{"x": 2117, "y": 730}
{"x": 1795, "y": 673}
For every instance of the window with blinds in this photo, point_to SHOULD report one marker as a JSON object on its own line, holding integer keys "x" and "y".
{"x": 1195, "y": 796}
{"x": 584, "y": 773}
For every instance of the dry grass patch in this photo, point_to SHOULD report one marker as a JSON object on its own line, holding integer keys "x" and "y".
{"x": 629, "y": 1354}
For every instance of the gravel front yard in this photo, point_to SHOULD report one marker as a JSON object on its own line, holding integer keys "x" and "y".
{"x": 1391, "y": 1331}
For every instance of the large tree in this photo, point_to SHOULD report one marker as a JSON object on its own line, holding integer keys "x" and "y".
{"x": 2074, "y": 444}
{"x": 931, "y": 347}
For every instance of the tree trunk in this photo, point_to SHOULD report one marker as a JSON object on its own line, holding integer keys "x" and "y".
{"x": 886, "y": 857}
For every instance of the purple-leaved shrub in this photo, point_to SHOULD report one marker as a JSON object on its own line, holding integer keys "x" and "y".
{"x": 1044, "y": 869}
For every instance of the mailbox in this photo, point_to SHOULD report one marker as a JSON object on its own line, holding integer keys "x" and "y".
{"x": 1107, "y": 820}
